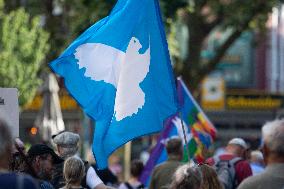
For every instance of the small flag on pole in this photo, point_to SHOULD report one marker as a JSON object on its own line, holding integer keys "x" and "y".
{"x": 119, "y": 71}
{"x": 200, "y": 132}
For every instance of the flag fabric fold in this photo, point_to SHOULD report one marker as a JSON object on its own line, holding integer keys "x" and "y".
{"x": 200, "y": 132}
{"x": 119, "y": 72}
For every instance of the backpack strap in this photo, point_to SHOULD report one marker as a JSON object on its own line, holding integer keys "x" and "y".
{"x": 84, "y": 180}
{"x": 232, "y": 163}
{"x": 216, "y": 160}
{"x": 235, "y": 160}
{"x": 128, "y": 185}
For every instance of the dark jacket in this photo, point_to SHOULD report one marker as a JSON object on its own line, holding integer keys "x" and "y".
{"x": 58, "y": 178}
{"x": 162, "y": 174}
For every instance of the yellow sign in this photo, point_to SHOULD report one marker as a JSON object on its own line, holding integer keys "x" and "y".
{"x": 213, "y": 93}
{"x": 256, "y": 102}
{"x": 66, "y": 103}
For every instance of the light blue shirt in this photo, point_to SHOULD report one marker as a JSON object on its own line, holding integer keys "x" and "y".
{"x": 256, "y": 168}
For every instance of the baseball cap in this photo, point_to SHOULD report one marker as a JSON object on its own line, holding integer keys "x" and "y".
{"x": 239, "y": 141}
{"x": 40, "y": 149}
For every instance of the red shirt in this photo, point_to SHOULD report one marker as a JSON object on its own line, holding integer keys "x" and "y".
{"x": 242, "y": 167}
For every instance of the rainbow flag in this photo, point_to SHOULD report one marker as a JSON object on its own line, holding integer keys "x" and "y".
{"x": 200, "y": 132}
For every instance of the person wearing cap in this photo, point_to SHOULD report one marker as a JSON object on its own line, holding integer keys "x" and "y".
{"x": 273, "y": 153}
{"x": 235, "y": 150}
{"x": 42, "y": 159}
{"x": 67, "y": 146}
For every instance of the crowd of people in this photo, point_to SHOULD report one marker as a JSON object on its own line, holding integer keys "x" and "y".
{"x": 237, "y": 167}
{"x": 42, "y": 167}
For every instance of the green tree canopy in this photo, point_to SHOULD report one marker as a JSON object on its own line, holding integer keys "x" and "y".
{"x": 23, "y": 46}
{"x": 66, "y": 19}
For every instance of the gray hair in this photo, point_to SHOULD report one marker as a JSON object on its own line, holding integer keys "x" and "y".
{"x": 74, "y": 170}
{"x": 257, "y": 155}
{"x": 68, "y": 152}
{"x": 273, "y": 136}
{"x": 187, "y": 176}
{"x": 5, "y": 139}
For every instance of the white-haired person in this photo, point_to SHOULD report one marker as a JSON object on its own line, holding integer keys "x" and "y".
{"x": 187, "y": 177}
{"x": 256, "y": 162}
{"x": 73, "y": 172}
{"x": 273, "y": 152}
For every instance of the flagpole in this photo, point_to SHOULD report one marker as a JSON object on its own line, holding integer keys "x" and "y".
{"x": 184, "y": 136}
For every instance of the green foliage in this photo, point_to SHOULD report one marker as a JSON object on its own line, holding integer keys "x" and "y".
{"x": 202, "y": 17}
{"x": 23, "y": 45}
{"x": 66, "y": 19}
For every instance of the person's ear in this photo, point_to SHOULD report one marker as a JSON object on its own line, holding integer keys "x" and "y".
{"x": 37, "y": 161}
{"x": 265, "y": 150}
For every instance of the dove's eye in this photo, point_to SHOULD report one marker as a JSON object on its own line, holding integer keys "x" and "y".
{"x": 134, "y": 41}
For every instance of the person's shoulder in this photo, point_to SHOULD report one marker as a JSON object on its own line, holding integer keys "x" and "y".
{"x": 158, "y": 166}
{"x": 30, "y": 182}
{"x": 242, "y": 163}
{"x": 167, "y": 165}
{"x": 252, "y": 182}
{"x": 14, "y": 179}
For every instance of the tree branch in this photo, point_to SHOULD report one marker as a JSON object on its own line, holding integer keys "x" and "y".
{"x": 220, "y": 52}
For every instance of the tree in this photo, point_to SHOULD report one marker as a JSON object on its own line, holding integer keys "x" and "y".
{"x": 201, "y": 17}
{"x": 66, "y": 19}
{"x": 23, "y": 45}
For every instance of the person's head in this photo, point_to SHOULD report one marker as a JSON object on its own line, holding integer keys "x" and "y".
{"x": 187, "y": 177}
{"x": 237, "y": 146}
{"x": 273, "y": 141}
{"x": 67, "y": 143}
{"x": 42, "y": 158}
{"x": 174, "y": 148}
{"x": 256, "y": 157}
{"x": 209, "y": 178}
{"x": 17, "y": 163}
{"x": 18, "y": 145}
{"x": 73, "y": 171}
{"x": 136, "y": 168}
{"x": 6, "y": 145}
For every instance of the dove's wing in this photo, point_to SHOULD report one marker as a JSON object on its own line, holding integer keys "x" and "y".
{"x": 102, "y": 62}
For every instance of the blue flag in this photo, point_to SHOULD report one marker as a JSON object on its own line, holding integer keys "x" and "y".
{"x": 119, "y": 72}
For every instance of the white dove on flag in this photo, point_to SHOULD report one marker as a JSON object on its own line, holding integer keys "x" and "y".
{"x": 124, "y": 70}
